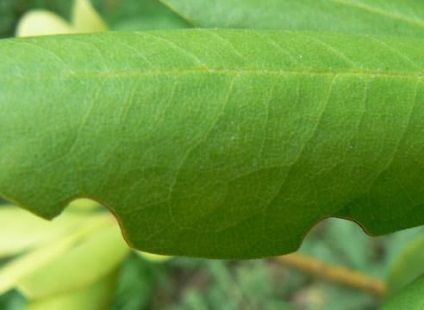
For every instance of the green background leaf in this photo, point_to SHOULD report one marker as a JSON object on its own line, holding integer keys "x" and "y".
{"x": 21, "y": 230}
{"x": 408, "y": 266}
{"x": 139, "y": 15}
{"x": 411, "y": 297}
{"x": 95, "y": 296}
{"x": 216, "y": 143}
{"x": 29, "y": 263}
{"x": 388, "y": 17}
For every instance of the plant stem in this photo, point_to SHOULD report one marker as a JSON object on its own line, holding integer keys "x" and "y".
{"x": 333, "y": 273}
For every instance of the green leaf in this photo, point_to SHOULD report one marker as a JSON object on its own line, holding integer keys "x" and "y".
{"x": 389, "y": 17}
{"x": 20, "y": 230}
{"x": 41, "y": 22}
{"x": 8, "y": 13}
{"x": 23, "y": 266}
{"x": 408, "y": 267}
{"x": 140, "y": 15}
{"x": 216, "y": 143}
{"x": 153, "y": 257}
{"x": 95, "y": 296}
{"x": 84, "y": 264}
{"x": 411, "y": 297}
{"x": 85, "y": 18}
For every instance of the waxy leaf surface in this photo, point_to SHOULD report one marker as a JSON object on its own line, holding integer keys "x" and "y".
{"x": 216, "y": 143}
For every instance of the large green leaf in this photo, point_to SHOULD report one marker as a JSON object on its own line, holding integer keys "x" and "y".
{"x": 388, "y": 17}
{"x": 216, "y": 143}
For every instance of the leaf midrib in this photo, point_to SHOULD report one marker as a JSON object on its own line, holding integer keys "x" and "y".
{"x": 371, "y": 74}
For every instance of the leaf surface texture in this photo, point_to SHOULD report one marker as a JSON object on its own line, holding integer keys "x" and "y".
{"x": 216, "y": 143}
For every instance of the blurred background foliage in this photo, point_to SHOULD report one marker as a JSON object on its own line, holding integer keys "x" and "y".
{"x": 274, "y": 283}
{"x": 119, "y": 14}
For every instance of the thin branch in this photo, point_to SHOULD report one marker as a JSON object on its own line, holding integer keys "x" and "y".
{"x": 338, "y": 274}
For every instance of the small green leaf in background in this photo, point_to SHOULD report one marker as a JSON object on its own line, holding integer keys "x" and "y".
{"x": 408, "y": 266}
{"x": 216, "y": 143}
{"x": 7, "y": 17}
{"x": 25, "y": 265}
{"x": 94, "y": 296}
{"x": 21, "y": 231}
{"x": 83, "y": 264}
{"x": 66, "y": 261}
{"x": 41, "y": 22}
{"x": 139, "y": 15}
{"x": 86, "y": 19}
{"x": 389, "y": 17}
{"x": 411, "y": 297}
